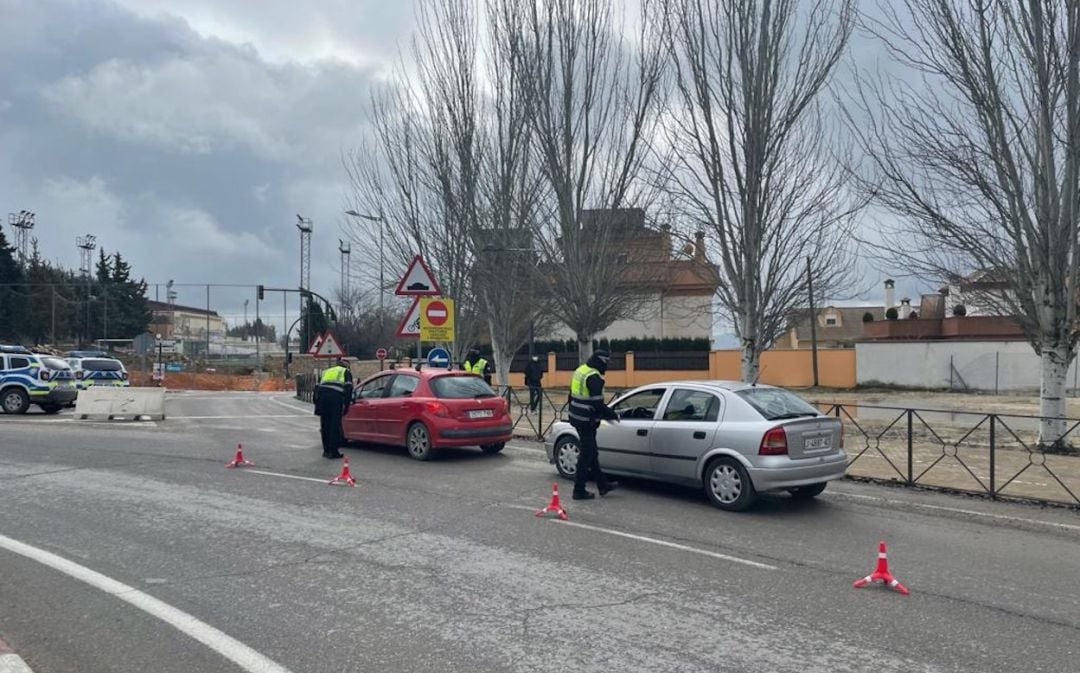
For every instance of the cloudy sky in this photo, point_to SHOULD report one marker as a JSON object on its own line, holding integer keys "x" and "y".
{"x": 188, "y": 133}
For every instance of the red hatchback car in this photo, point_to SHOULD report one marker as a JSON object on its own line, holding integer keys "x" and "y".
{"x": 427, "y": 410}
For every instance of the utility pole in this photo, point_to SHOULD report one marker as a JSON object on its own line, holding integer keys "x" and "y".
{"x": 345, "y": 248}
{"x": 22, "y": 222}
{"x": 305, "y": 226}
{"x": 813, "y": 319}
{"x": 382, "y": 248}
{"x": 86, "y": 245}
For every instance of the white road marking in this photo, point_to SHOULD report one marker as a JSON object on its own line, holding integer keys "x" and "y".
{"x": 230, "y": 648}
{"x": 652, "y": 540}
{"x": 286, "y": 476}
{"x": 13, "y": 663}
{"x": 665, "y": 543}
{"x": 958, "y": 510}
{"x": 203, "y": 418}
{"x": 306, "y": 410}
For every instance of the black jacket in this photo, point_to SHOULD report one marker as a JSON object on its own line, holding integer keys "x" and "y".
{"x": 534, "y": 372}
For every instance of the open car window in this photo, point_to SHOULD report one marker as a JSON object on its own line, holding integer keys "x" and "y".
{"x": 403, "y": 385}
{"x": 373, "y": 389}
{"x": 640, "y": 406}
{"x": 692, "y": 405}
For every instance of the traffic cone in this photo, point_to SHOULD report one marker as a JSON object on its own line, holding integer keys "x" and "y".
{"x": 553, "y": 507}
{"x": 239, "y": 460}
{"x": 881, "y": 574}
{"x": 344, "y": 477}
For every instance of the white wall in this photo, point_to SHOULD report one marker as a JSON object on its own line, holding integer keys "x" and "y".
{"x": 682, "y": 316}
{"x": 981, "y": 365}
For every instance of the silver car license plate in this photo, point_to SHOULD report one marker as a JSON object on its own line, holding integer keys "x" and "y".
{"x": 813, "y": 443}
{"x": 481, "y": 413}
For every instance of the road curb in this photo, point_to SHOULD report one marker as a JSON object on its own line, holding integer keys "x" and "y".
{"x": 11, "y": 662}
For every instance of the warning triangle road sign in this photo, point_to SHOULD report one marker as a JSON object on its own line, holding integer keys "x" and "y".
{"x": 418, "y": 281}
{"x": 410, "y": 324}
{"x": 316, "y": 344}
{"x": 330, "y": 347}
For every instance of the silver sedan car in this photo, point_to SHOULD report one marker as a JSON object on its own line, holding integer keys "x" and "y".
{"x": 732, "y": 439}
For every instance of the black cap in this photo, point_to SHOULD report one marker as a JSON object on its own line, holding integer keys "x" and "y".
{"x": 602, "y": 353}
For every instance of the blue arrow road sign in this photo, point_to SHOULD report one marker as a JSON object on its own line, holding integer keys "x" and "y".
{"x": 438, "y": 357}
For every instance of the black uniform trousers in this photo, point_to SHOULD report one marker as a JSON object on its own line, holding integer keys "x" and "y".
{"x": 588, "y": 463}
{"x": 331, "y": 407}
{"x": 534, "y": 397}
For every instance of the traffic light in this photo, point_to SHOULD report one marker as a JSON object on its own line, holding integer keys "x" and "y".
{"x": 262, "y": 292}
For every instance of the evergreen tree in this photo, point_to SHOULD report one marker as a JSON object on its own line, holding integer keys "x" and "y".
{"x": 314, "y": 322}
{"x": 11, "y": 299}
{"x": 132, "y": 308}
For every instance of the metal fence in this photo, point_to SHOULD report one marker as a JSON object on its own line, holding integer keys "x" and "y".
{"x": 997, "y": 455}
{"x": 305, "y": 387}
{"x": 675, "y": 360}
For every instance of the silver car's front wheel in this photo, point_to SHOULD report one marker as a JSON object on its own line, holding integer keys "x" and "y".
{"x": 566, "y": 456}
{"x": 728, "y": 486}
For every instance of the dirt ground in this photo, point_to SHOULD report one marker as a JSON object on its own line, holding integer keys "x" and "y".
{"x": 1022, "y": 405}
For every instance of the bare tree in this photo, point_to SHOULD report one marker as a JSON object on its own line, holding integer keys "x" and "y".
{"x": 419, "y": 173}
{"x": 593, "y": 100}
{"x": 751, "y": 166}
{"x": 457, "y": 143}
{"x": 980, "y": 161}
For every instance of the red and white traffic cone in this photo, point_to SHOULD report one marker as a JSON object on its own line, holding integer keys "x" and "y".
{"x": 343, "y": 478}
{"x": 239, "y": 460}
{"x": 881, "y": 574}
{"x": 553, "y": 507}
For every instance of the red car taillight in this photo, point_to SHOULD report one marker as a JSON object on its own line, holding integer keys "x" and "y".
{"x": 774, "y": 443}
{"x": 438, "y": 409}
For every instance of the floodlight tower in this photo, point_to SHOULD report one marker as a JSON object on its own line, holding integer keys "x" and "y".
{"x": 345, "y": 248}
{"x": 22, "y": 222}
{"x": 86, "y": 245}
{"x": 305, "y": 226}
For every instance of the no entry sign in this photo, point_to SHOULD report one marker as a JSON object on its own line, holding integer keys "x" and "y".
{"x": 436, "y": 319}
{"x": 380, "y": 354}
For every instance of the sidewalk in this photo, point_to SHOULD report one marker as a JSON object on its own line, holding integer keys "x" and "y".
{"x": 11, "y": 662}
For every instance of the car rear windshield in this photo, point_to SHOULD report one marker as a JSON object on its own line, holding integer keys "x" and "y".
{"x": 460, "y": 387}
{"x": 101, "y": 365}
{"x": 776, "y": 403}
{"x": 55, "y": 363}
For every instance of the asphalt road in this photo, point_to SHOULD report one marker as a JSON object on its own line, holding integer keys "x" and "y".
{"x": 441, "y": 566}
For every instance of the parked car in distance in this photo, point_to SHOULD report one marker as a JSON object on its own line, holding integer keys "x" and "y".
{"x": 27, "y": 378}
{"x": 428, "y": 410}
{"x": 98, "y": 371}
{"x": 732, "y": 439}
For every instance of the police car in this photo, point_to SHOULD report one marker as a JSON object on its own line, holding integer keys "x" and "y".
{"x": 98, "y": 371}
{"x": 27, "y": 378}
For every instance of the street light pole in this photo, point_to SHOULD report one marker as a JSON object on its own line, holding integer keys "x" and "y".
{"x": 382, "y": 248}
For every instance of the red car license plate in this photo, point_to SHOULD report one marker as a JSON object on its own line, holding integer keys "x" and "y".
{"x": 481, "y": 413}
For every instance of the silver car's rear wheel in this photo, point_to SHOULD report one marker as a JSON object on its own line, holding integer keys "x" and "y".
{"x": 418, "y": 442}
{"x": 566, "y": 456}
{"x": 728, "y": 486}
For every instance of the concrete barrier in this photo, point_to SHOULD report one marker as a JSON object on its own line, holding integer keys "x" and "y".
{"x": 101, "y": 403}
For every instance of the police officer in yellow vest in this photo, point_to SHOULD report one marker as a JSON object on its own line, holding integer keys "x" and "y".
{"x": 475, "y": 364}
{"x": 586, "y": 410}
{"x": 332, "y": 398}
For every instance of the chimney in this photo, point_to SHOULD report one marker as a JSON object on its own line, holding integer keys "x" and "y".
{"x": 890, "y": 293}
{"x": 699, "y": 245}
{"x": 905, "y": 308}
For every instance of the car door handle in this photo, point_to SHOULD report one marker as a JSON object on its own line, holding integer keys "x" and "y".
{"x": 699, "y": 435}
{"x": 642, "y": 432}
